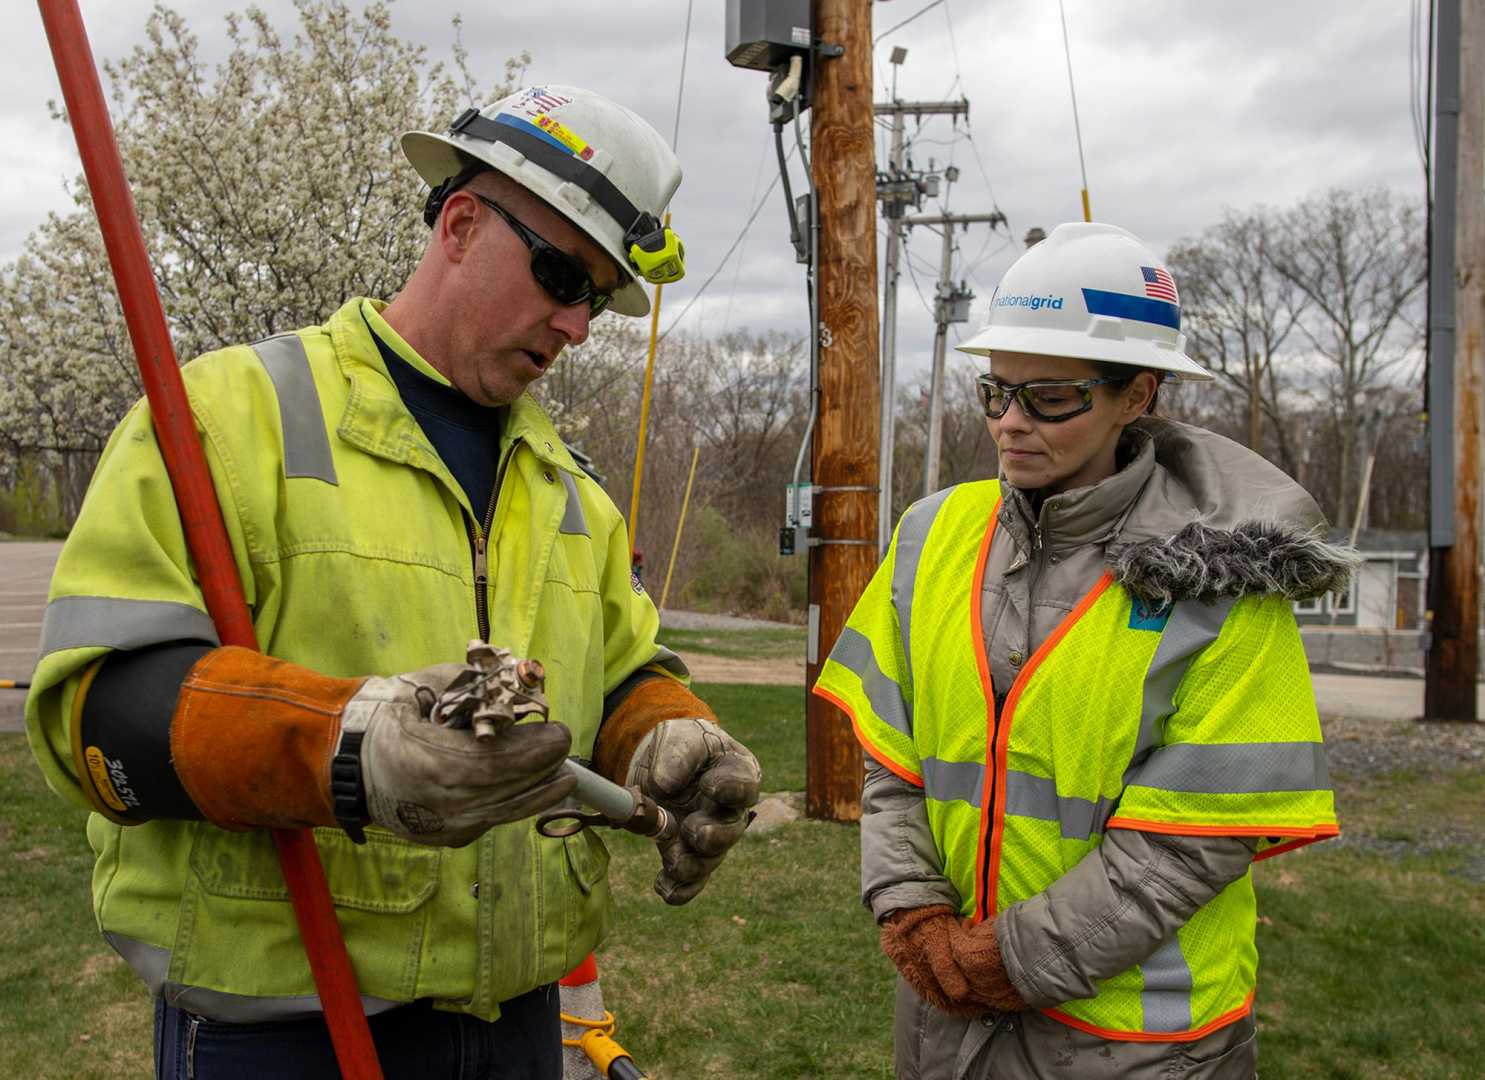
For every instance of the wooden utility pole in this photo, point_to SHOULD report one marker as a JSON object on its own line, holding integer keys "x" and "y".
{"x": 1459, "y": 336}
{"x": 844, "y": 449}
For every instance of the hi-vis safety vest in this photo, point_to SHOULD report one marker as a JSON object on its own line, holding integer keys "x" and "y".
{"x": 359, "y": 554}
{"x": 1196, "y": 719}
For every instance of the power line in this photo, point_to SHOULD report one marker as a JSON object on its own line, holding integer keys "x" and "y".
{"x": 954, "y": 50}
{"x": 675, "y": 138}
{"x": 910, "y": 18}
{"x": 737, "y": 271}
{"x": 727, "y": 255}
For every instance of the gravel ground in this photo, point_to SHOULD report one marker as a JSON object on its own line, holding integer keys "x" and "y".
{"x": 701, "y": 620}
{"x": 1358, "y": 749}
{"x": 1363, "y": 750}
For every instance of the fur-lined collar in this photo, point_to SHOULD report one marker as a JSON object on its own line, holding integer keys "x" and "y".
{"x": 1254, "y": 558}
{"x": 1216, "y": 520}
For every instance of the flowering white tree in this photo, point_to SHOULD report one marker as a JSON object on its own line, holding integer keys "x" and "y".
{"x": 270, "y": 188}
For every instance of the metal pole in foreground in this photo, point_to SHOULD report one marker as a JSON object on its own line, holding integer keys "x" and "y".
{"x": 201, "y": 517}
{"x": 1455, "y": 365}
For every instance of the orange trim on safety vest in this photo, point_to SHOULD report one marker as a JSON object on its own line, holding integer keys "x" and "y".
{"x": 1009, "y": 715}
{"x": 1279, "y": 849}
{"x": 982, "y": 662}
{"x": 1321, "y": 831}
{"x": 1156, "y": 1036}
{"x": 871, "y": 748}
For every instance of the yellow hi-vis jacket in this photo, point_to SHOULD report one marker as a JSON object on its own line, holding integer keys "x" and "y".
{"x": 1189, "y": 720}
{"x": 359, "y": 554}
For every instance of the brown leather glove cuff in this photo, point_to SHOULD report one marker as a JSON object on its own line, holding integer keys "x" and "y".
{"x": 252, "y": 737}
{"x": 644, "y": 708}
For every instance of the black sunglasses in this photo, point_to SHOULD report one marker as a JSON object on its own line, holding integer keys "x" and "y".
{"x": 564, "y": 278}
{"x": 1048, "y": 400}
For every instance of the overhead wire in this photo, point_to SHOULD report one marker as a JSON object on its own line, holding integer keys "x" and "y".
{"x": 893, "y": 29}
{"x": 1077, "y": 125}
{"x": 737, "y": 271}
{"x": 1419, "y": 82}
{"x": 726, "y": 255}
{"x": 675, "y": 137}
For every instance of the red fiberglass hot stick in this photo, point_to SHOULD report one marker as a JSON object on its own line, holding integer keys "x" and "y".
{"x": 201, "y": 517}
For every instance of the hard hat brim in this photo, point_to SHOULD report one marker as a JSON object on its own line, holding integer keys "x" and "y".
{"x": 437, "y": 157}
{"x": 1153, "y": 355}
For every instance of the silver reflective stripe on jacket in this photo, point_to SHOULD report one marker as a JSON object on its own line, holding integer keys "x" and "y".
{"x": 306, "y": 445}
{"x": 912, "y": 532}
{"x": 1166, "y": 998}
{"x": 81, "y": 622}
{"x": 1191, "y": 628}
{"x": 573, "y": 522}
{"x": 1236, "y": 768}
{"x": 1036, "y": 797}
{"x": 948, "y": 781}
{"x": 853, "y": 652}
{"x": 151, "y": 963}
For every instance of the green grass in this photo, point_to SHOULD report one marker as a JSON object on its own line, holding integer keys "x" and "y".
{"x": 760, "y": 644}
{"x": 773, "y": 971}
{"x": 768, "y": 720}
{"x": 68, "y": 1005}
{"x": 1369, "y": 965}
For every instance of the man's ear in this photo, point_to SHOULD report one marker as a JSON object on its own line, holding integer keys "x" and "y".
{"x": 457, "y": 225}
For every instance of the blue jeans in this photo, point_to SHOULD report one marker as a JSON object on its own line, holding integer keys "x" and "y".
{"x": 412, "y": 1041}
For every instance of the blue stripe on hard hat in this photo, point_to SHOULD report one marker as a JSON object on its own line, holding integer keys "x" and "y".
{"x": 531, "y": 129}
{"x": 1138, "y": 308}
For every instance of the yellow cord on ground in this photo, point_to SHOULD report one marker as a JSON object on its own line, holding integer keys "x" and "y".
{"x": 644, "y": 414}
{"x": 606, "y": 1025}
{"x": 675, "y": 545}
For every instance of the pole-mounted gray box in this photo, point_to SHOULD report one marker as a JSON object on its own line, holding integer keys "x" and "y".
{"x": 762, "y": 34}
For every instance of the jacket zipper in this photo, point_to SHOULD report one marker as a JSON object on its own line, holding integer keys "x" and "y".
{"x": 479, "y": 540}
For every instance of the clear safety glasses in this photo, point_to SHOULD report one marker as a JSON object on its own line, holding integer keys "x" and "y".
{"x": 564, "y": 278}
{"x": 1048, "y": 400}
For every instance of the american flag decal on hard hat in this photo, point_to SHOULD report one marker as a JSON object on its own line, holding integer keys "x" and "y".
{"x": 1159, "y": 285}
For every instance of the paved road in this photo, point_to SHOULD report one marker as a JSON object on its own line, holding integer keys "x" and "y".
{"x": 25, "y": 570}
{"x": 26, "y": 567}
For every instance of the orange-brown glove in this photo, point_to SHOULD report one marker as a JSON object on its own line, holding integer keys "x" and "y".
{"x": 253, "y": 738}
{"x": 949, "y": 962}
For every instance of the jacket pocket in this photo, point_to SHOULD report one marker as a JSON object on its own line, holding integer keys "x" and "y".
{"x": 587, "y": 859}
{"x": 386, "y": 875}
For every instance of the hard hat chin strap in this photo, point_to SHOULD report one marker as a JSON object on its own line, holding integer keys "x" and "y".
{"x": 655, "y": 252}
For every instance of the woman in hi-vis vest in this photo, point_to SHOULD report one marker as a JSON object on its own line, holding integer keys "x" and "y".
{"x": 1084, "y": 703}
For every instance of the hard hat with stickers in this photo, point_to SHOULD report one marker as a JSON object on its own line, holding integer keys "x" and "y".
{"x": 1090, "y": 291}
{"x": 592, "y": 160}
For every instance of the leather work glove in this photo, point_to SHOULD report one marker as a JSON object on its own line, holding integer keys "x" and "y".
{"x": 709, "y": 781}
{"x": 255, "y": 742}
{"x": 444, "y": 786}
{"x": 949, "y": 962}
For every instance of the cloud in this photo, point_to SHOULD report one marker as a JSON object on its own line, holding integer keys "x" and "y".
{"x": 1185, "y": 109}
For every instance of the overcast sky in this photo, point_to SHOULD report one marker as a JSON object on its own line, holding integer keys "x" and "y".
{"x": 1185, "y": 108}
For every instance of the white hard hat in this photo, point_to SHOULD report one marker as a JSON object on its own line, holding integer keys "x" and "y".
{"x": 592, "y": 160}
{"x": 1090, "y": 291}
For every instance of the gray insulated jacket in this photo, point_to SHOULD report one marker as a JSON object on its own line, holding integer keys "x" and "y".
{"x": 1189, "y": 515}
